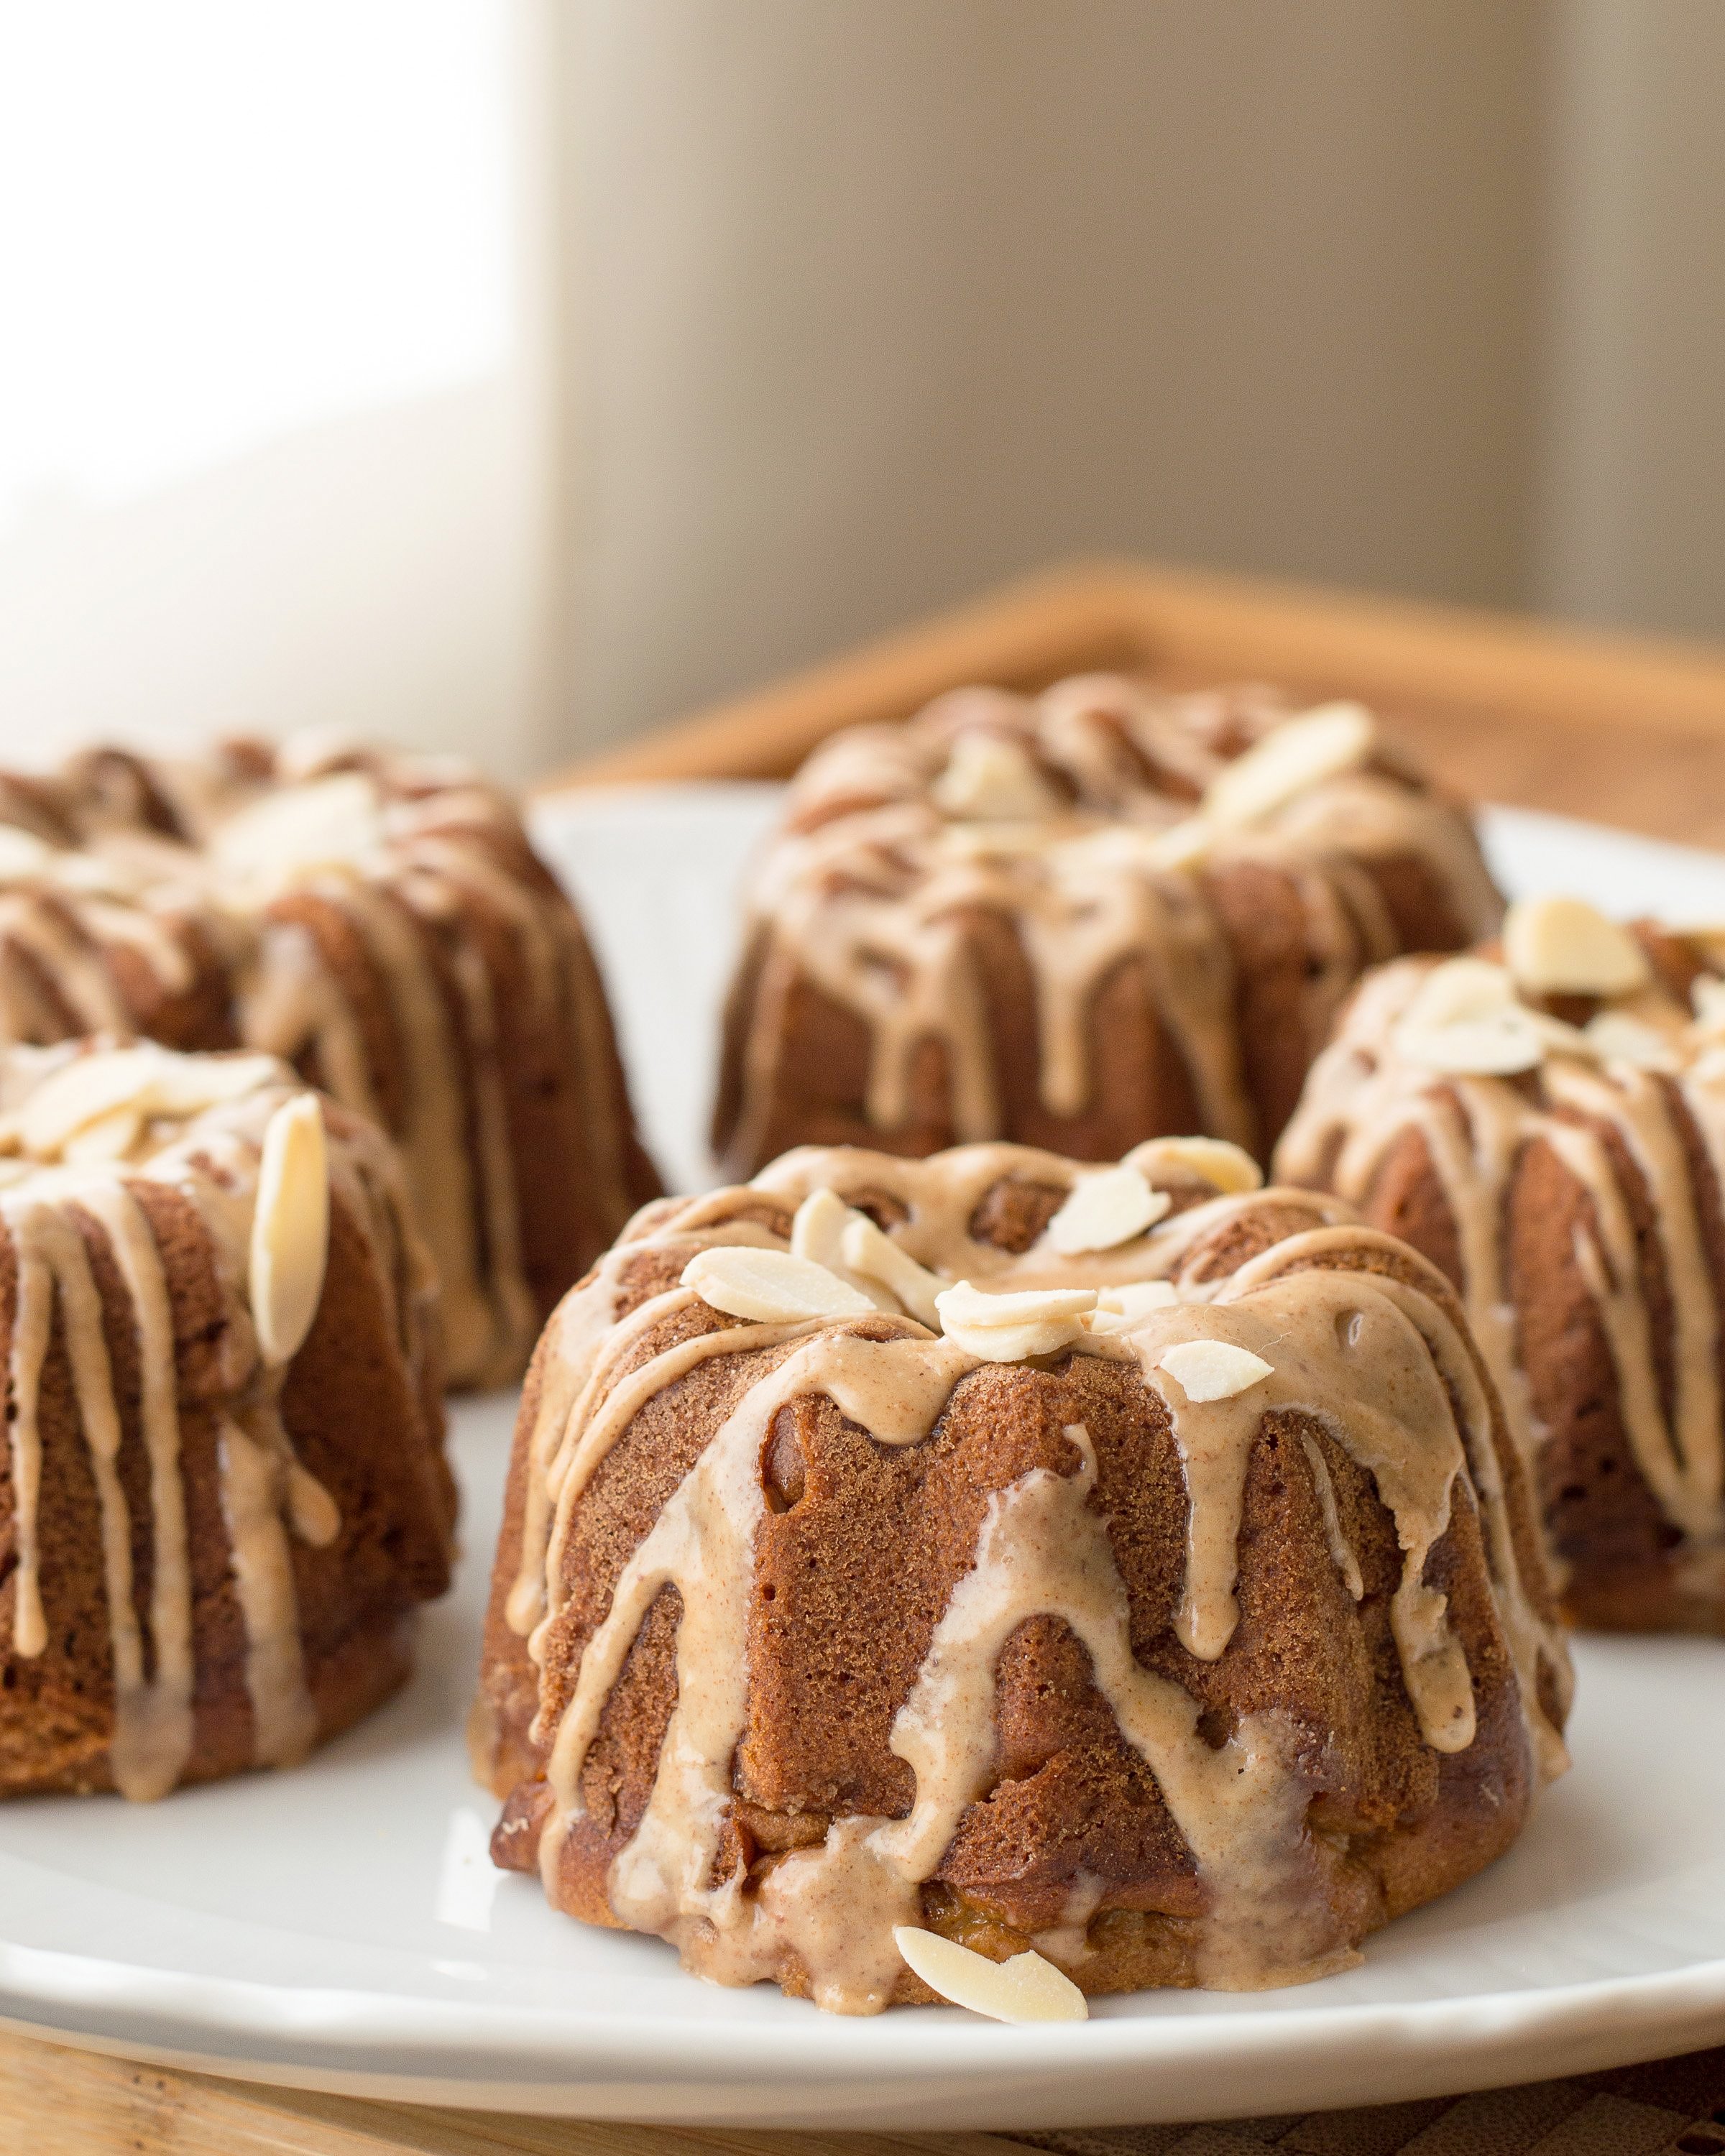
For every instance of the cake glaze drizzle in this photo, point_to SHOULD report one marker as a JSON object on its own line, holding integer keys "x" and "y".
{"x": 869, "y": 890}
{"x": 209, "y": 1152}
{"x": 1419, "y": 1423}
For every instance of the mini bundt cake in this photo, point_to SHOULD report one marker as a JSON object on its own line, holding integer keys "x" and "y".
{"x": 381, "y": 922}
{"x": 1079, "y": 923}
{"x": 1545, "y": 1122}
{"x": 1125, "y": 1566}
{"x": 224, "y": 1490}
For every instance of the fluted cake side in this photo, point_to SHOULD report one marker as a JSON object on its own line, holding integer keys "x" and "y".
{"x": 1545, "y": 1122}
{"x": 1127, "y": 1563}
{"x": 1078, "y": 921}
{"x": 223, "y": 1492}
{"x": 381, "y": 923}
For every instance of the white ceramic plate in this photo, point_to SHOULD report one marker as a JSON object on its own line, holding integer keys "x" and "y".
{"x": 341, "y": 1927}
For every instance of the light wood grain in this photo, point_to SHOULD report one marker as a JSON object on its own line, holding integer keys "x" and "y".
{"x": 1628, "y": 729}
{"x": 55, "y": 2100}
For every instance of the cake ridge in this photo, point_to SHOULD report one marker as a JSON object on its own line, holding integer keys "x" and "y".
{"x": 379, "y": 921}
{"x": 1361, "y": 1341}
{"x": 1630, "y": 1149}
{"x": 968, "y": 940}
{"x": 87, "y": 1232}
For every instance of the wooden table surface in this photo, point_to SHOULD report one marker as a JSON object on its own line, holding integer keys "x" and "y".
{"x": 1625, "y": 732}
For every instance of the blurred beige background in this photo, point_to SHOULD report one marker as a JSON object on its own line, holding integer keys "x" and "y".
{"x": 815, "y": 317}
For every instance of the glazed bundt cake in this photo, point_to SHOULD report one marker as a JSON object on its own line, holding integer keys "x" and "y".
{"x": 224, "y": 1490}
{"x": 1078, "y": 922}
{"x": 1545, "y": 1122}
{"x": 1124, "y": 1566}
{"x": 381, "y": 922}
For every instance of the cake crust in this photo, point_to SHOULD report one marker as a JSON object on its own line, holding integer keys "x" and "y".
{"x": 801, "y": 1630}
{"x": 1069, "y": 923}
{"x": 209, "y": 1554}
{"x": 381, "y": 923}
{"x": 1575, "y": 1206}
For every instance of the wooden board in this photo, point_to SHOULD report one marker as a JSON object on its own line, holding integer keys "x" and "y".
{"x": 1624, "y": 730}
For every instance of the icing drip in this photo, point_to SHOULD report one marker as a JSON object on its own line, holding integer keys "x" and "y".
{"x": 870, "y": 890}
{"x": 1330, "y": 1336}
{"x": 254, "y": 1499}
{"x": 1347, "y": 1563}
{"x": 1364, "y": 1096}
{"x": 1370, "y": 1357}
{"x": 152, "y": 1724}
{"x": 211, "y": 1156}
{"x": 405, "y": 853}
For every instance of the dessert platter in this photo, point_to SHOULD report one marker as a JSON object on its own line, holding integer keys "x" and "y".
{"x": 1041, "y": 1585}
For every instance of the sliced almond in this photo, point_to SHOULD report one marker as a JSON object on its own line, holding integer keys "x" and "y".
{"x": 1565, "y": 946}
{"x": 1027, "y": 1987}
{"x": 1229, "y": 1168}
{"x": 1298, "y": 754}
{"x": 188, "y": 1085}
{"x": 1708, "y": 995}
{"x": 771, "y": 1287}
{"x": 152, "y": 1080}
{"x": 109, "y": 1138}
{"x": 301, "y": 827}
{"x": 1104, "y": 1210}
{"x": 1118, "y": 1309}
{"x": 866, "y": 1251}
{"x": 1460, "y": 989}
{"x": 291, "y": 1228}
{"x": 23, "y": 855}
{"x": 965, "y": 1305}
{"x": 1214, "y": 1369}
{"x": 1007, "y": 1328}
{"x": 1181, "y": 846}
{"x": 818, "y": 1234}
{"x": 1615, "y": 1037}
{"x": 992, "y": 781}
{"x": 1491, "y": 1047}
{"x": 818, "y": 1227}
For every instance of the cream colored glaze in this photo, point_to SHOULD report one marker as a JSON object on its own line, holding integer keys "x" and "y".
{"x": 1375, "y": 1361}
{"x": 1364, "y": 1095}
{"x": 865, "y": 891}
{"x": 1341, "y": 1550}
{"x": 212, "y": 1158}
{"x": 433, "y": 842}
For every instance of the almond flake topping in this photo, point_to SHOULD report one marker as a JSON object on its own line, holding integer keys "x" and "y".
{"x": 1227, "y": 1168}
{"x": 147, "y": 1079}
{"x": 867, "y": 1250}
{"x": 1565, "y": 946}
{"x": 1708, "y": 995}
{"x": 988, "y": 780}
{"x": 818, "y": 1234}
{"x": 1006, "y": 1328}
{"x": 1214, "y": 1369}
{"x": 1300, "y": 753}
{"x": 1026, "y": 1987}
{"x": 1180, "y": 845}
{"x": 1460, "y": 989}
{"x": 1120, "y": 1308}
{"x": 1105, "y": 1210}
{"x": 1497, "y": 1045}
{"x": 818, "y": 1227}
{"x": 771, "y": 1287}
{"x": 23, "y": 854}
{"x": 1615, "y": 1037}
{"x": 322, "y": 822}
{"x": 291, "y": 1228}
